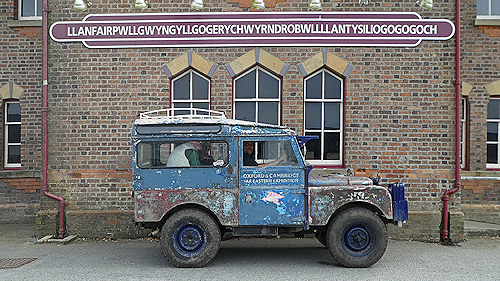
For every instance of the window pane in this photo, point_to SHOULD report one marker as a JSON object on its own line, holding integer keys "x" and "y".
{"x": 157, "y": 154}
{"x": 313, "y": 87}
{"x": 313, "y": 116}
{"x": 245, "y": 111}
{"x": 28, "y": 8}
{"x": 181, "y": 88}
{"x": 245, "y": 86}
{"x": 13, "y": 112}
{"x": 332, "y": 87}
{"x": 14, "y": 154}
{"x": 14, "y": 134}
{"x": 268, "y": 112}
{"x": 492, "y": 131}
{"x": 181, "y": 105}
{"x": 313, "y": 147}
{"x": 203, "y": 105}
{"x": 482, "y": 7}
{"x": 492, "y": 152}
{"x": 332, "y": 115}
{"x": 493, "y": 109}
{"x": 495, "y": 7}
{"x": 332, "y": 146}
{"x": 268, "y": 86}
{"x": 200, "y": 87}
{"x": 39, "y": 7}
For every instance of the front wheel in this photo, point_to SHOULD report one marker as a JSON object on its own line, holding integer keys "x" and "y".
{"x": 190, "y": 238}
{"x": 357, "y": 237}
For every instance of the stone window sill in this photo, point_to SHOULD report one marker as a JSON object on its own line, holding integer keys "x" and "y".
{"x": 24, "y": 23}
{"x": 479, "y": 22}
{"x": 12, "y": 174}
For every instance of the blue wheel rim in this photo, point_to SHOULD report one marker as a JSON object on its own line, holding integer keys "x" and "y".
{"x": 189, "y": 239}
{"x": 358, "y": 240}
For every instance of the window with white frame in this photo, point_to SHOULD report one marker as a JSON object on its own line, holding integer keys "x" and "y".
{"x": 190, "y": 90}
{"x": 463, "y": 128}
{"x": 12, "y": 134}
{"x": 323, "y": 117}
{"x": 488, "y": 9}
{"x": 492, "y": 140}
{"x": 257, "y": 95}
{"x": 30, "y": 9}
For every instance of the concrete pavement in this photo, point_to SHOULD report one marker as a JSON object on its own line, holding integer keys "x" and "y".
{"x": 240, "y": 259}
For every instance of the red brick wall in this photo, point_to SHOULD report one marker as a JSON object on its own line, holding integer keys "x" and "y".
{"x": 480, "y": 67}
{"x": 21, "y": 63}
{"x": 399, "y": 105}
{"x": 28, "y": 185}
{"x": 481, "y": 191}
{"x": 19, "y": 197}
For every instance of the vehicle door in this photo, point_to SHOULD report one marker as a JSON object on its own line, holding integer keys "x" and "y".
{"x": 272, "y": 193}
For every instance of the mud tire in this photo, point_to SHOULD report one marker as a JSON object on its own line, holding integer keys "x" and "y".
{"x": 190, "y": 238}
{"x": 357, "y": 237}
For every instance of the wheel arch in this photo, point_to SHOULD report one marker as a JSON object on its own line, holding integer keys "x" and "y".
{"x": 364, "y": 205}
{"x": 190, "y": 206}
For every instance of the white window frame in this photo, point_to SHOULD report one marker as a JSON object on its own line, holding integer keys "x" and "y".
{"x": 257, "y": 99}
{"x": 496, "y": 142}
{"x": 489, "y": 16}
{"x": 463, "y": 128}
{"x": 20, "y": 11}
{"x": 6, "y": 124}
{"x": 322, "y": 131}
{"x": 191, "y": 99}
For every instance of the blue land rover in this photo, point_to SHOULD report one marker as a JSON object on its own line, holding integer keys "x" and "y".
{"x": 199, "y": 176}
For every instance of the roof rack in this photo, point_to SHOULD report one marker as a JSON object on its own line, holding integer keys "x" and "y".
{"x": 183, "y": 114}
{"x": 194, "y": 115}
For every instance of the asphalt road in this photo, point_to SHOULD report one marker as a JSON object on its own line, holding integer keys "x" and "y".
{"x": 244, "y": 259}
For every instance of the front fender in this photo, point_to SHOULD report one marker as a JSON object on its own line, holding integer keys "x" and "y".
{"x": 325, "y": 200}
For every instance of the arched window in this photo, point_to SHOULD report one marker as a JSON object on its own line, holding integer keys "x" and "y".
{"x": 323, "y": 117}
{"x": 12, "y": 133}
{"x": 257, "y": 95}
{"x": 493, "y": 137}
{"x": 190, "y": 90}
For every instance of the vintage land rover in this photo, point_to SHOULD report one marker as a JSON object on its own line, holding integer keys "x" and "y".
{"x": 199, "y": 177}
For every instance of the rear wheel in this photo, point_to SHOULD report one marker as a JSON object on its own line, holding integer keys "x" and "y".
{"x": 190, "y": 238}
{"x": 357, "y": 237}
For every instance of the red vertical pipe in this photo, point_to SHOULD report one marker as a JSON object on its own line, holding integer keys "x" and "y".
{"x": 45, "y": 109}
{"x": 458, "y": 83}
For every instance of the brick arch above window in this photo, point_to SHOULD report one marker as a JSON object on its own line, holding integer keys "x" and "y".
{"x": 325, "y": 58}
{"x": 254, "y": 57}
{"x": 11, "y": 91}
{"x": 189, "y": 60}
{"x": 494, "y": 88}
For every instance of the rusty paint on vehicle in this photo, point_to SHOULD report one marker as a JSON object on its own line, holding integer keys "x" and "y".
{"x": 152, "y": 205}
{"x": 324, "y": 201}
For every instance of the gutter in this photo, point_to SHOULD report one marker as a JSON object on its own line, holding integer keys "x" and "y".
{"x": 446, "y": 197}
{"x": 45, "y": 109}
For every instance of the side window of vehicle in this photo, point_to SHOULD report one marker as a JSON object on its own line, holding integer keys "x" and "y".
{"x": 182, "y": 154}
{"x": 269, "y": 153}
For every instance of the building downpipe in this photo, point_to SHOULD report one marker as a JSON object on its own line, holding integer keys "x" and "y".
{"x": 446, "y": 197}
{"x": 45, "y": 109}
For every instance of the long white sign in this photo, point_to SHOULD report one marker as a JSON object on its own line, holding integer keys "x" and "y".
{"x": 252, "y": 29}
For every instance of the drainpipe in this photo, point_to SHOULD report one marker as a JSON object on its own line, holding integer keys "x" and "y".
{"x": 458, "y": 83}
{"x": 45, "y": 109}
